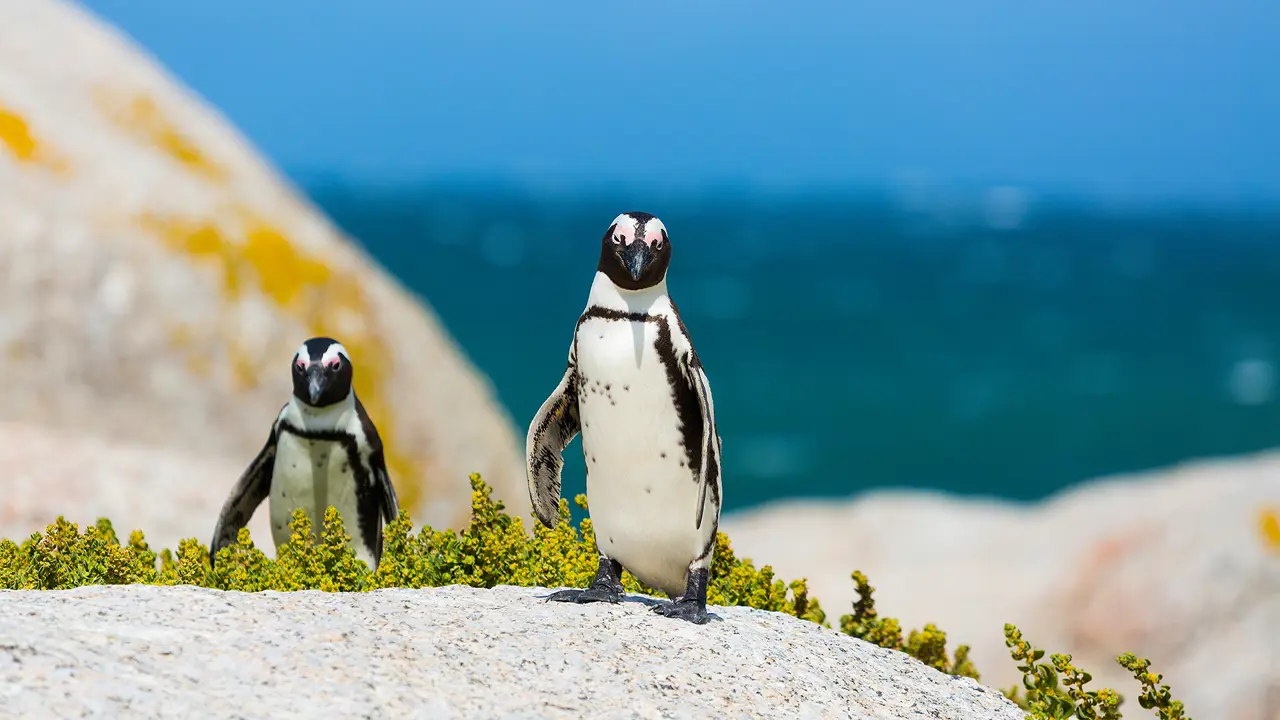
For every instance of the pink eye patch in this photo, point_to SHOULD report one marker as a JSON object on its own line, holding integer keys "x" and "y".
{"x": 333, "y": 364}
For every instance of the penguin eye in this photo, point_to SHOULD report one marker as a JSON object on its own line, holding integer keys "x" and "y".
{"x": 617, "y": 239}
{"x": 300, "y": 364}
{"x": 333, "y": 364}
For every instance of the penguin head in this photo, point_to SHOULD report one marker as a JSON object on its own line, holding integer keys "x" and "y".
{"x": 321, "y": 372}
{"x": 635, "y": 251}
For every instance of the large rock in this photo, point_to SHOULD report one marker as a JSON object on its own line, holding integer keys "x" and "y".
{"x": 445, "y": 653}
{"x": 139, "y": 487}
{"x": 156, "y": 276}
{"x": 1173, "y": 565}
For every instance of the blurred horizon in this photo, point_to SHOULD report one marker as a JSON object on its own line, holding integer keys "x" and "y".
{"x": 993, "y": 249}
{"x": 1009, "y": 350}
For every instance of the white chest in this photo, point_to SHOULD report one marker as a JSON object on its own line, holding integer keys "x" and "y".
{"x": 312, "y": 475}
{"x": 623, "y": 387}
{"x": 642, "y": 493}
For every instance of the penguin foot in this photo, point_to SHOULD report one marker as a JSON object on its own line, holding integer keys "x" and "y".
{"x": 692, "y": 605}
{"x": 589, "y": 595}
{"x": 683, "y": 608}
{"x": 607, "y": 587}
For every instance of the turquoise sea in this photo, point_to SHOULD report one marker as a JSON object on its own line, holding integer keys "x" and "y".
{"x": 1005, "y": 348}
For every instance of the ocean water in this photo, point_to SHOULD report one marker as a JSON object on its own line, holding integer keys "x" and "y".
{"x": 998, "y": 348}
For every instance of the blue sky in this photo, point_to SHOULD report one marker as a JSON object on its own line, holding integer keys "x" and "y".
{"x": 1145, "y": 97}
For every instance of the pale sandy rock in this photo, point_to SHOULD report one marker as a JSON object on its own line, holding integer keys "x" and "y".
{"x": 168, "y": 495}
{"x": 453, "y": 652}
{"x": 156, "y": 276}
{"x": 1170, "y": 565}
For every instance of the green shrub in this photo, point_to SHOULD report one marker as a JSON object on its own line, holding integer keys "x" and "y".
{"x": 1152, "y": 697}
{"x": 928, "y": 645}
{"x": 494, "y": 549}
{"x": 62, "y": 558}
{"x": 1055, "y": 690}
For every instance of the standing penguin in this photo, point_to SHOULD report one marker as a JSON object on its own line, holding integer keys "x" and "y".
{"x": 323, "y": 450}
{"x": 635, "y": 389}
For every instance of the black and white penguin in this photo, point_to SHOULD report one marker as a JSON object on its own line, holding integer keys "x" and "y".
{"x": 323, "y": 450}
{"x": 635, "y": 389}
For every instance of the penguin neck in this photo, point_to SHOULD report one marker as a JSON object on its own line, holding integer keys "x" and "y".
{"x": 329, "y": 417}
{"x": 604, "y": 294}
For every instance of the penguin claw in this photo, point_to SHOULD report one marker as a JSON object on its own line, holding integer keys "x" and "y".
{"x": 682, "y": 609}
{"x": 589, "y": 595}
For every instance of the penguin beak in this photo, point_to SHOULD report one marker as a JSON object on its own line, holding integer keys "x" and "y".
{"x": 636, "y": 257}
{"x": 317, "y": 382}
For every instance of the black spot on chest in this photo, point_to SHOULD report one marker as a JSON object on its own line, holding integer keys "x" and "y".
{"x": 683, "y": 396}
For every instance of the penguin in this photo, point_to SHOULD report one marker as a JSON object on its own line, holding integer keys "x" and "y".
{"x": 322, "y": 450}
{"x": 637, "y": 392}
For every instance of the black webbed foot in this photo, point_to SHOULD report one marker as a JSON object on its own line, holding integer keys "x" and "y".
{"x": 684, "y": 609}
{"x": 589, "y": 595}
{"x": 692, "y": 605}
{"x": 607, "y": 587}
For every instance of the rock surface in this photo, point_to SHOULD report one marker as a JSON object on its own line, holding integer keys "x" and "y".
{"x": 1171, "y": 565}
{"x": 442, "y": 653}
{"x": 169, "y": 495}
{"x": 156, "y": 276}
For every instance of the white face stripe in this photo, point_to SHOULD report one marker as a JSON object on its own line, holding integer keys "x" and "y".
{"x": 303, "y": 357}
{"x": 654, "y": 230}
{"x": 332, "y": 353}
{"x": 628, "y": 228}
{"x": 624, "y": 223}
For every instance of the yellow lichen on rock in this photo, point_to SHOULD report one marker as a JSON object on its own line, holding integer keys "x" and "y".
{"x": 159, "y": 286}
{"x": 140, "y": 115}
{"x": 1269, "y": 528}
{"x": 16, "y": 135}
{"x": 282, "y": 271}
{"x": 306, "y": 288}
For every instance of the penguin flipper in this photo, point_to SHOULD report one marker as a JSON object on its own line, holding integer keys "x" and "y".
{"x": 384, "y": 495}
{"x": 553, "y": 427}
{"x": 709, "y": 469}
{"x": 252, "y": 488}
{"x": 388, "y": 502}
